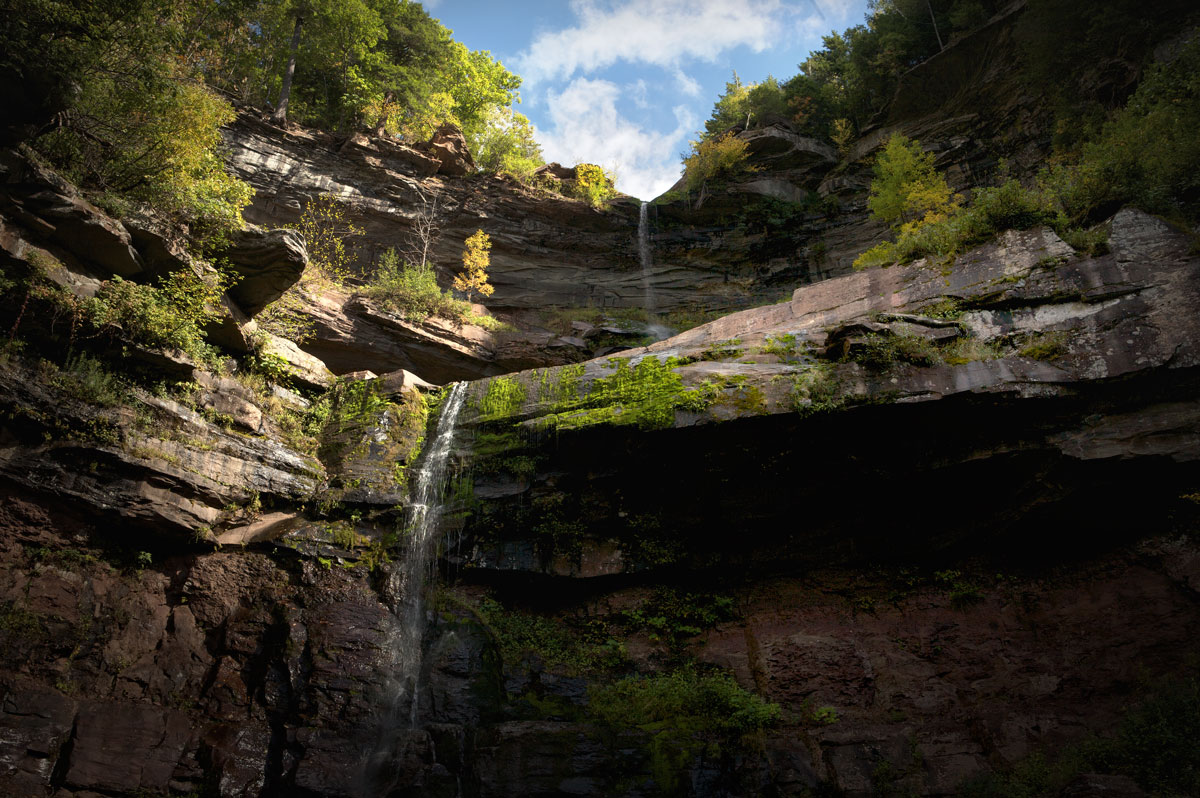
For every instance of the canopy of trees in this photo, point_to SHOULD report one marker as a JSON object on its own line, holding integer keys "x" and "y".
{"x": 127, "y": 96}
{"x": 854, "y": 75}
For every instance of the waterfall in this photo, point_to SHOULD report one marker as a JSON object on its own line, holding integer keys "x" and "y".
{"x": 406, "y": 587}
{"x": 653, "y": 328}
{"x": 407, "y": 583}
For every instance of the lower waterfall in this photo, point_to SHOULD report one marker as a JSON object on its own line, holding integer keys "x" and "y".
{"x": 406, "y": 585}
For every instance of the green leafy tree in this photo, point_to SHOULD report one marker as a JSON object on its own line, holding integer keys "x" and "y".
{"x": 138, "y": 124}
{"x": 907, "y": 187}
{"x": 593, "y": 184}
{"x": 506, "y": 144}
{"x": 721, "y": 157}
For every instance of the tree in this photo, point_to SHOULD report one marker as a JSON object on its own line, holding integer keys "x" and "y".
{"x": 507, "y": 145}
{"x": 326, "y": 230}
{"x": 907, "y": 187}
{"x": 593, "y": 184}
{"x": 427, "y": 224}
{"x": 474, "y": 277}
{"x": 279, "y": 116}
{"x": 724, "y": 156}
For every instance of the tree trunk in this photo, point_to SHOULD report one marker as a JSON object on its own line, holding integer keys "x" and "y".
{"x": 381, "y": 127}
{"x": 936, "y": 32}
{"x": 280, "y": 115}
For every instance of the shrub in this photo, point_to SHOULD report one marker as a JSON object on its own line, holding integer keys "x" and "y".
{"x": 593, "y": 184}
{"x": 721, "y": 157}
{"x": 992, "y": 210}
{"x": 171, "y": 315}
{"x": 412, "y": 291}
{"x": 86, "y": 378}
{"x": 683, "y": 711}
{"x": 881, "y": 351}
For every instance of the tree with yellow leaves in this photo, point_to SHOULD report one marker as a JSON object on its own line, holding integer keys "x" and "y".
{"x": 474, "y": 277}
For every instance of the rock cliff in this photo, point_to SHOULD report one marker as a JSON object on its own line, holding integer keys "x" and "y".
{"x": 902, "y": 529}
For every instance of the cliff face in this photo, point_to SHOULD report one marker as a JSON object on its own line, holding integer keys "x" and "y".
{"x": 800, "y": 215}
{"x": 940, "y": 516}
{"x": 942, "y": 509}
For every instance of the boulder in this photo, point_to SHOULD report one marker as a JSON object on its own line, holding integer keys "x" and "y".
{"x": 307, "y": 370}
{"x": 52, "y": 209}
{"x": 228, "y": 397}
{"x": 397, "y": 382}
{"x": 449, "y": 146}
{"x": 267, "y": 262}
{"x": 556, "y": 170}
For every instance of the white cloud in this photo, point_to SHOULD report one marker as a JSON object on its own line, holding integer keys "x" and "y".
{"x": 660, "y": 32}
{"x": 639, "y": 93}
{"x": 586, "y": 126}
{"x": 687, "y": 84}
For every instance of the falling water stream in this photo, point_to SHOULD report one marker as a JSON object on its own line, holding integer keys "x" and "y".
{"x": 406, "y": 587}
{"x": 647, "y": 257}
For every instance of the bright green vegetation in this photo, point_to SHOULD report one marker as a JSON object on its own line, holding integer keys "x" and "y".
{"x": 558, "y": 385}
{"x": 1146, "y": 154}
{"x": 503, "y": 398}
{"x": 412, "y": 291}
{"x": 1154, "y": 744}
{"x": 645, "y": 395}
{"x": 593, "y": 184}
{"x": 722, "y": 157}
{"x": 783, "y": 346}
{"x": 506, "y": 145}
{"x": 906, "y": 187}
{"x": 685, "y": 713}
{"x": 170, "y": 315}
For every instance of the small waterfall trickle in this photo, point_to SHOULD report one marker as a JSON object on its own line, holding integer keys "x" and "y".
{"x": 406, "y": 586}
{"x": 647, "y": 257}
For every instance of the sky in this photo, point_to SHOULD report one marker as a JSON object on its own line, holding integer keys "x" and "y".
{"x": 627, "y": 83}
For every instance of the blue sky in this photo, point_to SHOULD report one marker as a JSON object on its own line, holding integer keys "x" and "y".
{"x": 626, "y": 84}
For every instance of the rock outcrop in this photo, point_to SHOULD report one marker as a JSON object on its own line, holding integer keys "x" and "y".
{"x": 267, "y": 263}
